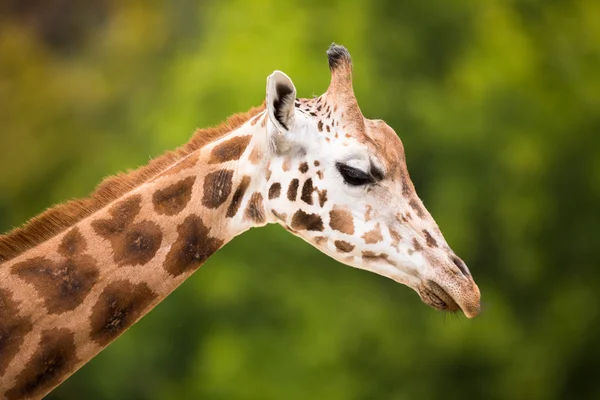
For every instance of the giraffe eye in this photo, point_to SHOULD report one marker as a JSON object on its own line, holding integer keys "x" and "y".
{"x": 353, "y": 176}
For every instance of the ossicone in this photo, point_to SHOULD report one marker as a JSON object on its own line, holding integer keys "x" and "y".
{"x": 338, "y": 56}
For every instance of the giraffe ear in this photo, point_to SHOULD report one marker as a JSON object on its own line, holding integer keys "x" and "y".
{"x": 281, "y": 94}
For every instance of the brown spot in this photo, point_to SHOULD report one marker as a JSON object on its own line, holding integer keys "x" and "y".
{"x": 138, "y": 245}
{"x": 62, "y": 285}
{"x": 322, "y": 197}
{"x": 417, "y": 246}
{"x": 320, "y": 174}
{"x": 293, "y": 190}
{"x": 429, "y": 239}
{"x": 373, "y": 236}
{"x": 307, "y": 189}
{"x": 414, "y": 203}
{"x": 343, "y": 246}
{"x": 274, "y": 191}
{"x": 268, "y": 168}
{"x": 340, "y": 219}
{"x": 192, "y": 247}
{"x": 303, "y": 167}
{"x": 231, "y": 149}
{"x": 73, "y": 243}
{"x": 279, "y": 215}
{"x": 287, "y": 164}
{"x": 173, "y": 199}
{"x": 372, "y": 256}
{"x": 319, "y": 240}
{"x": 238, "y": 195}
{"x": 407, "y": 188}
{"x": 317, "y": 163}
{"x": 13, "y": 329}
{"x": 122, "y": 214}
{"x": 263, "y": 123}
{"x": 304, "y": 221}
{"x": 132, "y": 244}
{"x": 256, "y": 155}
{"x": 328, "y": 130}
{"x": 256, "y": 210}
{"x": 217, "y": 187}
{"x": 396, "y": 237}
{"x": 119, "y": 306}
{"x": 368, "y": 211}
{"x": 401, "y": 218}
{"x": 53, "y": 361}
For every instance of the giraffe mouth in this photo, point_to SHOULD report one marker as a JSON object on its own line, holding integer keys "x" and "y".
{"x": 433, "y": 295}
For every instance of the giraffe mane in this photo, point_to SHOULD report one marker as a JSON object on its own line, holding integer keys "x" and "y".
{"x": 58, "y": 218}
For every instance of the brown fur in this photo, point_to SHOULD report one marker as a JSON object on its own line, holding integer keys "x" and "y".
{"x": 172, "y": 199}
{"x": 274, "y": 191}
{"x": 307, "y": 190}
{"x": 293, "y": 190}
{"x": 217, "y": 188}
{"x": 61, "y": 285}
{"x": 414, "y": 203}
{"x": 340, "y": 219}
{"x": 343, "y": 246}
{"x": 132, "y": 243}
{"x": 238, "y": 196}
{"x": 417, "y": 245}
{"x": 319, "y": 240}
{"x": 229, "y": 150}
{"x": 256, "y": 210}
{"x": 396, "y": 237}
{"x": 431, "y": 242}
{"x": 58, "y": 218}
{"x": 13, "y": 329}
{"x": 119, "y": 306}
{"x": 303, "y": 221}
{"x": 193, "y": 246}
{"x": 371, "y": 256}
{"x": 322, "y": 197}
{"x": 373, "y": 236}
{"x": 54, "y": 359}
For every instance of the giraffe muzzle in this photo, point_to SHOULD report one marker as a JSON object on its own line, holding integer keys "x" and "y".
{"x": 465, "y": 297}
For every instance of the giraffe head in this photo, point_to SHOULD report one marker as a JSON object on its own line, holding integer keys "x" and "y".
{"x": 340, "y": 182}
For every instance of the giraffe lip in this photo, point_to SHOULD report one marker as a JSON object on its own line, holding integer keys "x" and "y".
{"x": 433, "y": 295}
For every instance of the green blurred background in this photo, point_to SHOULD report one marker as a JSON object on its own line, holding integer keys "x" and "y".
{"x": 498, "y": 105}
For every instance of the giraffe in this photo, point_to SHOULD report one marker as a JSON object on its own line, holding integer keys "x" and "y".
{"x": 76, "y": 277}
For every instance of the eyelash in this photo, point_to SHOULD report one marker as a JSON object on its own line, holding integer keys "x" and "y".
{"x": 353, "y": 176}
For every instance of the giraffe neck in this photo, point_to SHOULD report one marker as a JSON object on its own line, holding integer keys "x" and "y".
{"x": 66, "y": 299}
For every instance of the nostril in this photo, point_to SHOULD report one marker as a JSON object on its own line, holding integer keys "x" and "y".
{"x": 461, "y": 265}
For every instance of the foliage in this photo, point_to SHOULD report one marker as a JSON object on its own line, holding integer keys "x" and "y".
{"x": 497, "y": 104}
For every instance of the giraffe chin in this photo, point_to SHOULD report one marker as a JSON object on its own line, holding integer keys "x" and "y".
{"x": 435, "y": 296}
